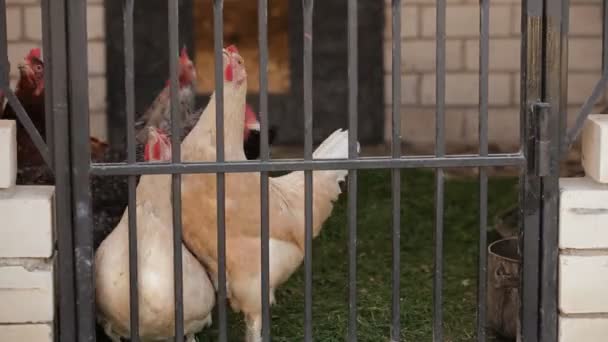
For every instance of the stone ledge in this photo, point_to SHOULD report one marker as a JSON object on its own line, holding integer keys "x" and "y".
{"x": 27, "y": 222}
{"x": 582, "y": 284}
{"x": 583, "y": 214}
{"x": 579, "y": 329}
{"x": 8, "y": 153}
{"x": 26, "y": 294}
{"x": 26, "y": 332}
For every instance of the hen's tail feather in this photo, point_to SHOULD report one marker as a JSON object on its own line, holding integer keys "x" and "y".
{"x": 335, "y": 147}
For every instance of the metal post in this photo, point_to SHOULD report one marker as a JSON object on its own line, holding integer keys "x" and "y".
{"x": 81, "y": 154}
{"x": 555, "y": 95}
{"x": 56, "y": 62}
{"x": 531, "y": 92}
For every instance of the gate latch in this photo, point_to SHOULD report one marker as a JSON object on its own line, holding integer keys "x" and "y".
{"x": 541, "y": 111}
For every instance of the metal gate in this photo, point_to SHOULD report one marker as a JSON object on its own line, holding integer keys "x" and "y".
{"x": 543, "y": 104}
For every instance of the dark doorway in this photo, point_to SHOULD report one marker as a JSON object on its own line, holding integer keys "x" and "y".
{"x": 285, "y": 96}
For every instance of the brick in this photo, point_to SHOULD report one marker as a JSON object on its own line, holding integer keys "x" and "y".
{"x": 582, "y": 284}
{"x": 8, "y": 153}
{"x": 97, "y": 57}
{"x": 26, "y": 295}
{"x": 463, "y": 21}
{"x": 26, "y": 332}
{"x": 516, "y": 82}
{"x": 586, "y": 20}
{"x": 98, "y": 125}
{"x": 409, "y": 22}
{"x": 418, "y": 125}
{"x": 583, "y": 213}
{"x": 22, "y": 234}
{"x": 97, "y": 93}
{"x": 463, "y": 89}
{"x": 584, "y": 54}
{"x": 13, "y": 23}
{"x": 95, "y": 22}
{"x": 580, "y": 86}
{"x": 576, "y": 329}
{"x": 504, "y": 54}
{"x": 419, "y": 55}
{"x": 503, "y": 128}
{"x": 594, "y": 156}
{"x": 516, "y": 18}
{"x": 33, "y": 23}
{"x": 409, "y": 89}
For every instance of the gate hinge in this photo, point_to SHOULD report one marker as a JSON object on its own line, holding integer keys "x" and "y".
{"x": 542, "y": 141}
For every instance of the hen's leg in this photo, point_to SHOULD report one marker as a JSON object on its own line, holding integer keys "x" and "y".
{"x": 254, "y": 328}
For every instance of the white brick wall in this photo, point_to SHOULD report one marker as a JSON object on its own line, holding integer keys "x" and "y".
{"x": 27, "y": 286}
{"x": 462, "y": 65}
{"x": 24, "y": 31}
{"x": 583, "y": 243}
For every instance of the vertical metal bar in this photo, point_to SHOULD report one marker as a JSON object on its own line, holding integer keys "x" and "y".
{"x": 352, "y": 174}
{"x": 531, "y": 77}
{"x": 264, "y": 155}
{"x": 61, "y": 155}
{"x": 396, "y": 173}
{"x": 48, "y": 95}
{"x": 81, "y": 154}
{"x": 439, "y": 181}
{"x": 553, "y": 92}
{"x": 176, "y": 179}
{"x": 130, "y": 111}
{"x": 4, "y": 63}
{"x": 218, "y": 22}
{"x": 484, "y": 51}
{"x": 604, "y": 32}
{"x": 308, "y": 188}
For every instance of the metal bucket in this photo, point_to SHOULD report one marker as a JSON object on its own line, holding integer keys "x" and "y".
{"x": 503, "y": 287}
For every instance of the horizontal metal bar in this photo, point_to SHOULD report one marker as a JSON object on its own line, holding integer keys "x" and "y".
{"x": 123, "y": 169}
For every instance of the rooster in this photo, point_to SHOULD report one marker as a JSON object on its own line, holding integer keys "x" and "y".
{"x": 155, "y": 264}
{"x": 286, "y": 203}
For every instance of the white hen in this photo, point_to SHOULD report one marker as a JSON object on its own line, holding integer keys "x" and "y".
{"x": 155, "y": 267}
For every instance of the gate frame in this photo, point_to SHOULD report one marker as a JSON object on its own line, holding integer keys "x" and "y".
{"x": 543, "y": 90}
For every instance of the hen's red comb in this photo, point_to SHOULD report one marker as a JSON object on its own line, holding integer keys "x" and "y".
{"x": 34, "y": 53}
{"x": 232, "y": 48}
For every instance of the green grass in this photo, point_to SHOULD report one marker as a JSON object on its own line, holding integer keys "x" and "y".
{"x": 330, "y": 264}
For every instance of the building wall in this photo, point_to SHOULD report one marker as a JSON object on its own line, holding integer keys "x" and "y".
{"x": 418, "y": 65}
{"x": 24, "y": 31}
{"x": 462, "y": 65}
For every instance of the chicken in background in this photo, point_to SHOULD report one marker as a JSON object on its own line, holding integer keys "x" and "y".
{"x": 155, "y": 264}
{"x": 286, "y": 203}
{"x": 252, "y": 134}
{"x": 30, "y": 92}
{"x": 159, "y": 113}
{"x": 31, "y": 168}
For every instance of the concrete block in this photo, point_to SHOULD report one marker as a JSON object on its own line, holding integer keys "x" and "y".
{"x": 583, "y": 213}
{"x": 26, "y": 293}
{"x": 575, "y": 329}
{"x": 26, "y": 332}
{"x": 8, "y": 153}
{"x": 583, "y": 283}
{"x": 594, "y": 149}
{"x": 27, "y": 222}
